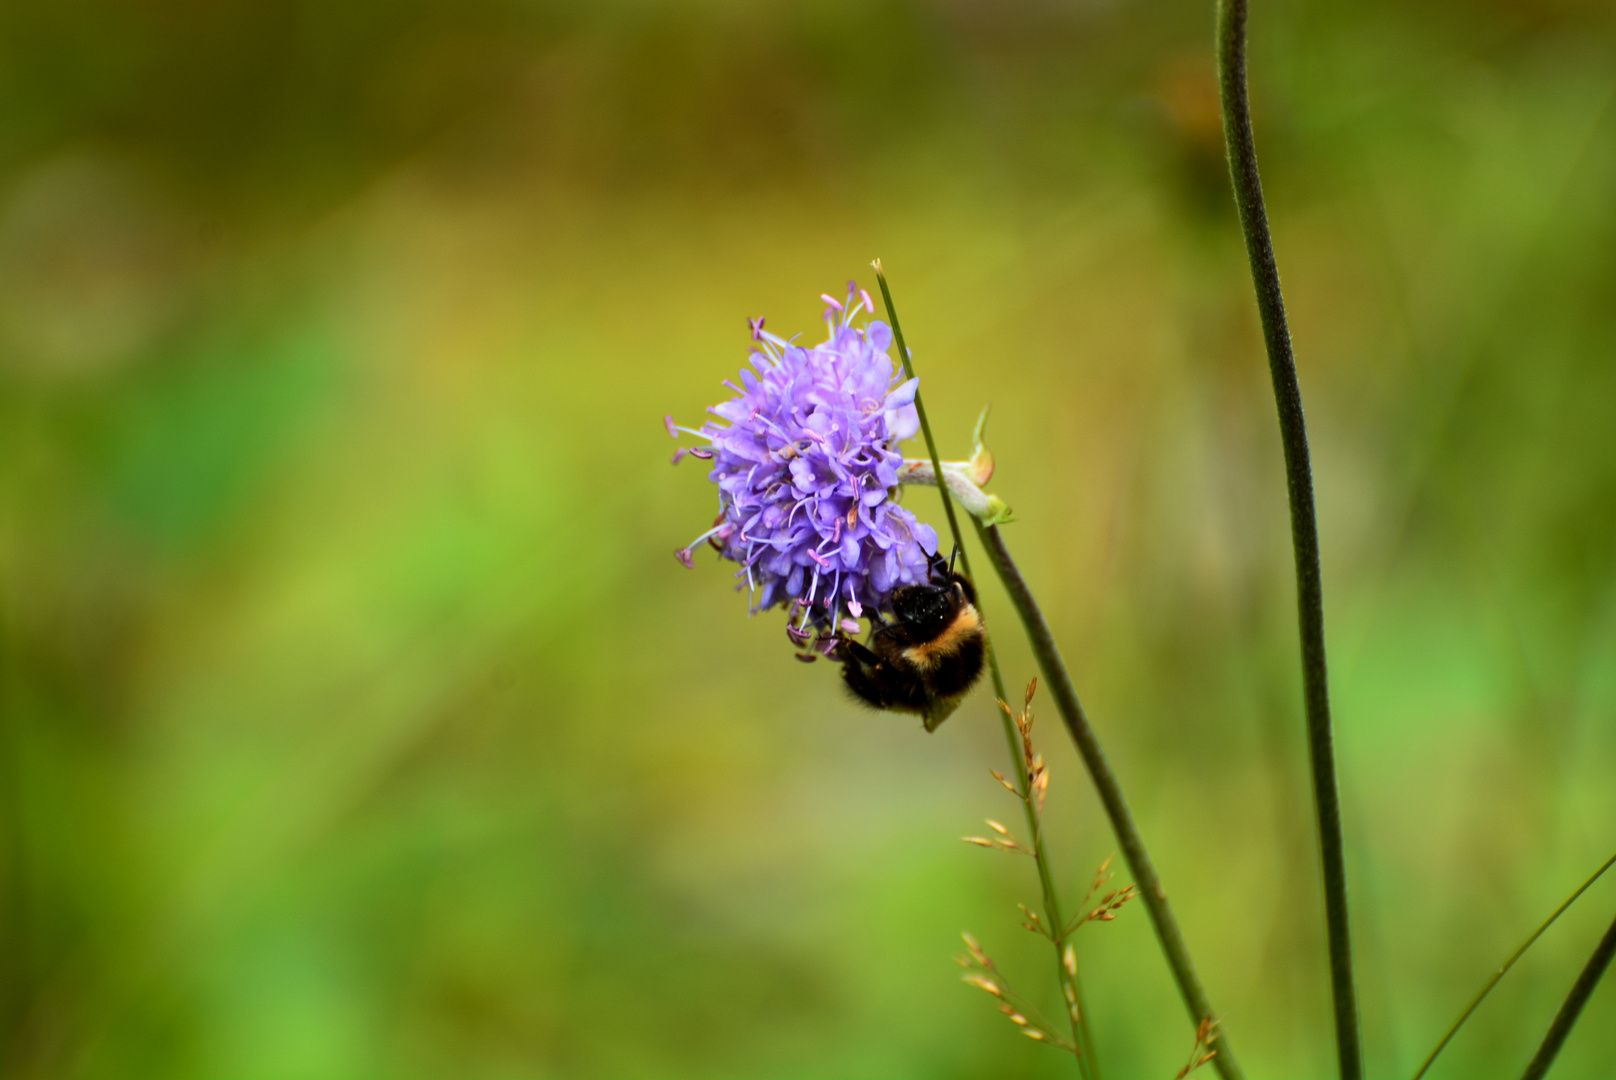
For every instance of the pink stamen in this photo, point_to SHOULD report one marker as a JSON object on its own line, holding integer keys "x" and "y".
{"x": 683, "y": 555}
{"x": 667, "y": 422}
{"x": 832, "y": 301}
{"x": 678, "y": 455}
{"x": 856, "y": 608}
{"x": 756, "y": 328}
{"x": 850, "y": 626}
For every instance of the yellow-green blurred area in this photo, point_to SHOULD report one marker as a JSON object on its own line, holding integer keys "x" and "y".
{"x": 358, "y": 721}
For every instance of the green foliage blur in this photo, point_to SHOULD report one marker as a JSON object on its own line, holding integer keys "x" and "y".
{"x": 358, "y": 722}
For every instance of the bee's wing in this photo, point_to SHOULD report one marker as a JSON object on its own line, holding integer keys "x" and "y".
{"x": 939, "y": 711}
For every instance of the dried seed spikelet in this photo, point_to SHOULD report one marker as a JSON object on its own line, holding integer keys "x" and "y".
{"x": 996, "y": 827}
{"x": 1206, "y": 1033}
{"x": 1101, "y": 876}
{"x": 1069, "y": 960}
{"x": 1111, "y": 902}
{"x": 1029, "y": 756}
{"x": 984, "y": 983}
{"x": 1034, "y": 1033}
{"x": 979, "y": 841}
{"x": 976, "y": 951}
{"x": 1008, "y": 786}
{"x": 1032, "y": 688}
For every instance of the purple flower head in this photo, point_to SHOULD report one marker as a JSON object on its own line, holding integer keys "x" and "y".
{"x": 806, "y": 465}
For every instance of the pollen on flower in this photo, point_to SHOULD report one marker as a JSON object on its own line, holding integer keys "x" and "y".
{"x": 805, "y": 456}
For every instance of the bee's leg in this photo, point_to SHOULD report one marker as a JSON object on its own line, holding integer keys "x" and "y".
{"x": 879, "y": 683}
{"x": 862, "y": 671}
{"x": 855, "y": 653}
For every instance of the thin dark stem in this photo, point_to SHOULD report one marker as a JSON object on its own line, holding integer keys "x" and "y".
{"x": 1507, "y": 964}
{"x": 1105, "y": 782}
{"x": 1304, "y": 526}
{"x": 1088, "y": 1061}
{"x": 925, "y": 425}
{"x": 1566, "y": 1018}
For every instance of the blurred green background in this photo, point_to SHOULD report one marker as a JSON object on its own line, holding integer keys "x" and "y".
{"x": 357, "y": 721}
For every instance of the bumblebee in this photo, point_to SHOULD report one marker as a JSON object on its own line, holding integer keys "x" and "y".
{"x": 928, "y": 657}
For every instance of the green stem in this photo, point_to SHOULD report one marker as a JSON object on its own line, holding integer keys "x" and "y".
{"x": 1507, "y": 964}
{"x": 1088, "y": 1062}
{"x": 1105, "y": 783}
{"x": 1304, "y": 526}
{"x": 1566, "y": 1018}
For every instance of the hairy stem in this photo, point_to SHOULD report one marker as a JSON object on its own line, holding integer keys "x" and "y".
{"x": 1304, "y": 526}
{"x": 1507, "y": 964}
{"x": 1571, "y": 1009}
{"x": 1087, "y": 1060}
{"x": 1105, "y": 782}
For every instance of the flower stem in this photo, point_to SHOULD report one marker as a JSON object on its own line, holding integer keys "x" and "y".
{"x": 1581, "y": 991}
{"x": 1231, "y": 32}
{"x": 1507, "y": 964}
{"x": 1105, "y": 782}
{"x": 1088, "y": 1062}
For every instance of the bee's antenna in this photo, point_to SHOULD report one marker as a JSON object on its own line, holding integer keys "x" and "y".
{"x": 951, "y": 559}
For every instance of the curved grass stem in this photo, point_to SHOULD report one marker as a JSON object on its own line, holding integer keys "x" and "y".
{"x": 1507, "y": 964}
{"x": 1231, "y": 33}
{"x": 1571, "y": 1009}
{"x": 1087, "y": 1061}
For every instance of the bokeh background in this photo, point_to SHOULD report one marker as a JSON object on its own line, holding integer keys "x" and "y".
{"x": 358, "y": 722}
